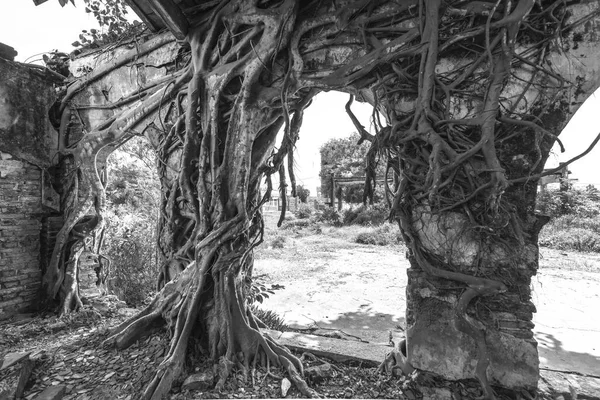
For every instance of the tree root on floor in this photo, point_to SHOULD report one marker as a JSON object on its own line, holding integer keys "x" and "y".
{"x": 233, "y": 333}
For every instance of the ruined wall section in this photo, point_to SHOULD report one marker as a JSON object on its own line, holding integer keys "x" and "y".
{"x": 28, "y": 145}
{"x": 20, "y": 224}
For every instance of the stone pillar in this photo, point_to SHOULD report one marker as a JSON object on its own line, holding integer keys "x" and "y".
{"x": 435, "y": 344}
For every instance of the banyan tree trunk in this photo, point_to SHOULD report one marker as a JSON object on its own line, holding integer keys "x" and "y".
{"x": 221, "y": 143}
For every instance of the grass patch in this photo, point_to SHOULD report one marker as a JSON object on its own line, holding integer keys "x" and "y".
{"x": 384, "y": 235}
{"x": 270, "y": 318}
{"x": 571, "y": 232}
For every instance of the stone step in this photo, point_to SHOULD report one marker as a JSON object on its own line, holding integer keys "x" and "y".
{"x": 369, "y": 354}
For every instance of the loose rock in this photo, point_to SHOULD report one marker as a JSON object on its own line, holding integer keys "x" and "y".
{"x": 52, "y": 393}
{"x": 201, "y": 381}
{"x": 285, "y": 386}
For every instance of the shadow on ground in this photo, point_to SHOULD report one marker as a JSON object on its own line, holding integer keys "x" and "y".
{"x": 366, "y": 324}
{"x": 555, "y": 357}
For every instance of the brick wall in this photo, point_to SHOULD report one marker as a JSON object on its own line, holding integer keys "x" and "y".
{"x": 20, "y": 222}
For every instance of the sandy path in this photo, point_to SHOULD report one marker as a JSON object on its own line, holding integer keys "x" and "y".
{"x": 360, "y": 289}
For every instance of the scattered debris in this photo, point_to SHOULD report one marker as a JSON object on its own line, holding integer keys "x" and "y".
{"x": 52, "y": 393}
{"x": 319, "y": 373}
{"x": 285, "y": 386}
{"x": 202, "y": 381}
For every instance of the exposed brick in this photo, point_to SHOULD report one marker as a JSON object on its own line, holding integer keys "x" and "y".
{"x": 20, "y": 228}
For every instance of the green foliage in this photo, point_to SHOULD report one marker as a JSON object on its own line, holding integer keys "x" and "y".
{"x": 302, "y": 193}
{"x": 384, "y": 235}
{"x": 111, "y": 16}
{"x": 353, "y": 194}
{"x": 278, "y": 242}
{"x": 375, "y": 214}
{"x": 329, "y": 215}
{"x": 583, "y": 203}
{"x": 344, "y": 158}
{"x": 297, "y": 224}
{"x": 259, "y": 291}
{"x": 57, "y": 62}
{"x": 571, "y": 238}
{"x": 270, "y": 318}
{"x": 130, "y": 244}
{"x": 303, "y": 211}
{"x": 575, "y": 223}
{"x": 130, "y": 239}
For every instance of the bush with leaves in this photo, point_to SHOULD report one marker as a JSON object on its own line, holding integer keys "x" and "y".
{"x": 258, "y": 293}
{"x": 575, "y": 222}
{"x": 329, "y": 215}
{"x": 303, "y": 211}
{"x": 130, "y": 239}
{"x": 130, "y": 245}
{"x": 384, "y": 235}
{"x": 302, "y": 193}
{"x": 375, "y": 214}
{"x": 556, "y": 203}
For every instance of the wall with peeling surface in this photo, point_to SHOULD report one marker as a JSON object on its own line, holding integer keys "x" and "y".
{"x": 27, "y": 147}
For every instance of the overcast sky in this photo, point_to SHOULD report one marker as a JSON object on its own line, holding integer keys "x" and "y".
{"x": 33, "y": 30}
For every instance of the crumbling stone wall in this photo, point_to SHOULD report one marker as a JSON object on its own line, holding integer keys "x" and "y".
{"x": 28, "y": 145}
{"x": 20, "y": 223}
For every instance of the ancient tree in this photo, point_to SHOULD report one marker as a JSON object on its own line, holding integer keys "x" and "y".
{"x": 474, "y": 95}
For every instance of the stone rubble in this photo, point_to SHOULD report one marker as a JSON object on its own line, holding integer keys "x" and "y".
{"x": 84, "y": 370}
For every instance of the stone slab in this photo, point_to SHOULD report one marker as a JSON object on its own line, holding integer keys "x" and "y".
{"x": 52, "y": 393}
{"x": 559, "y": 383}
{"x": 369, "y": 354}
{"x": 13, "y": 358}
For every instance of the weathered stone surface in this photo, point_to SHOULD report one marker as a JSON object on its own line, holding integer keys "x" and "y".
{"x": 26, "y": 96}
{"x": 339, "y": 350}
{"x": 201, "y": 381}
{"x": 21, "y": 213}
{"x": 7, "y": 52}
{"x": 13, "y": 358}
{"x": 52, "y": 393}
{"x": 17, "y": 369}
{"x": 436, "y": 345}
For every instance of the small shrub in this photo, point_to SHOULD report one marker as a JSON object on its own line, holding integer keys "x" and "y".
{"x": 572, "y": 232}
{"x": 303, "y": 211}
{"x": 258, "y": 293}
{"x": 129, "y": 243}
{"x": 349, "y": 215}
{"x": 557, "y": 203}
{"x": 384, "y": 235}
{"x": 572, "y": 239}
{"x": 330, "y": 216}
{"x": 270, "y": 318}
{"x": 375, "y": 214}
{"x": 278, "y": 242}
{"x": 297, "y": 224}
{"x": 567, "y": 222}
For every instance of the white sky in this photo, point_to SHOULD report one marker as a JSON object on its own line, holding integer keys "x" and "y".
{"x": 51, "y": 27}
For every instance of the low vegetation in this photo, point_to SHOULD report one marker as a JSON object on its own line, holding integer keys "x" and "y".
{"x": 575, "y": 219}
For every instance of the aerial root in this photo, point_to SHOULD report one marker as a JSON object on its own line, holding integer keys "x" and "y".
{"x": 257, "y": 348}
{"x": 396, "y": 361}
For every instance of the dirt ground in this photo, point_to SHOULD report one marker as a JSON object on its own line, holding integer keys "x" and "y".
{"x": 333, "y": 283}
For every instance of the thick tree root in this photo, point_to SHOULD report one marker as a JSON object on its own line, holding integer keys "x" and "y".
{"x": 395, "y": 362}
{"x": 246, "y": 343}
{"x": 235, "y": 335}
